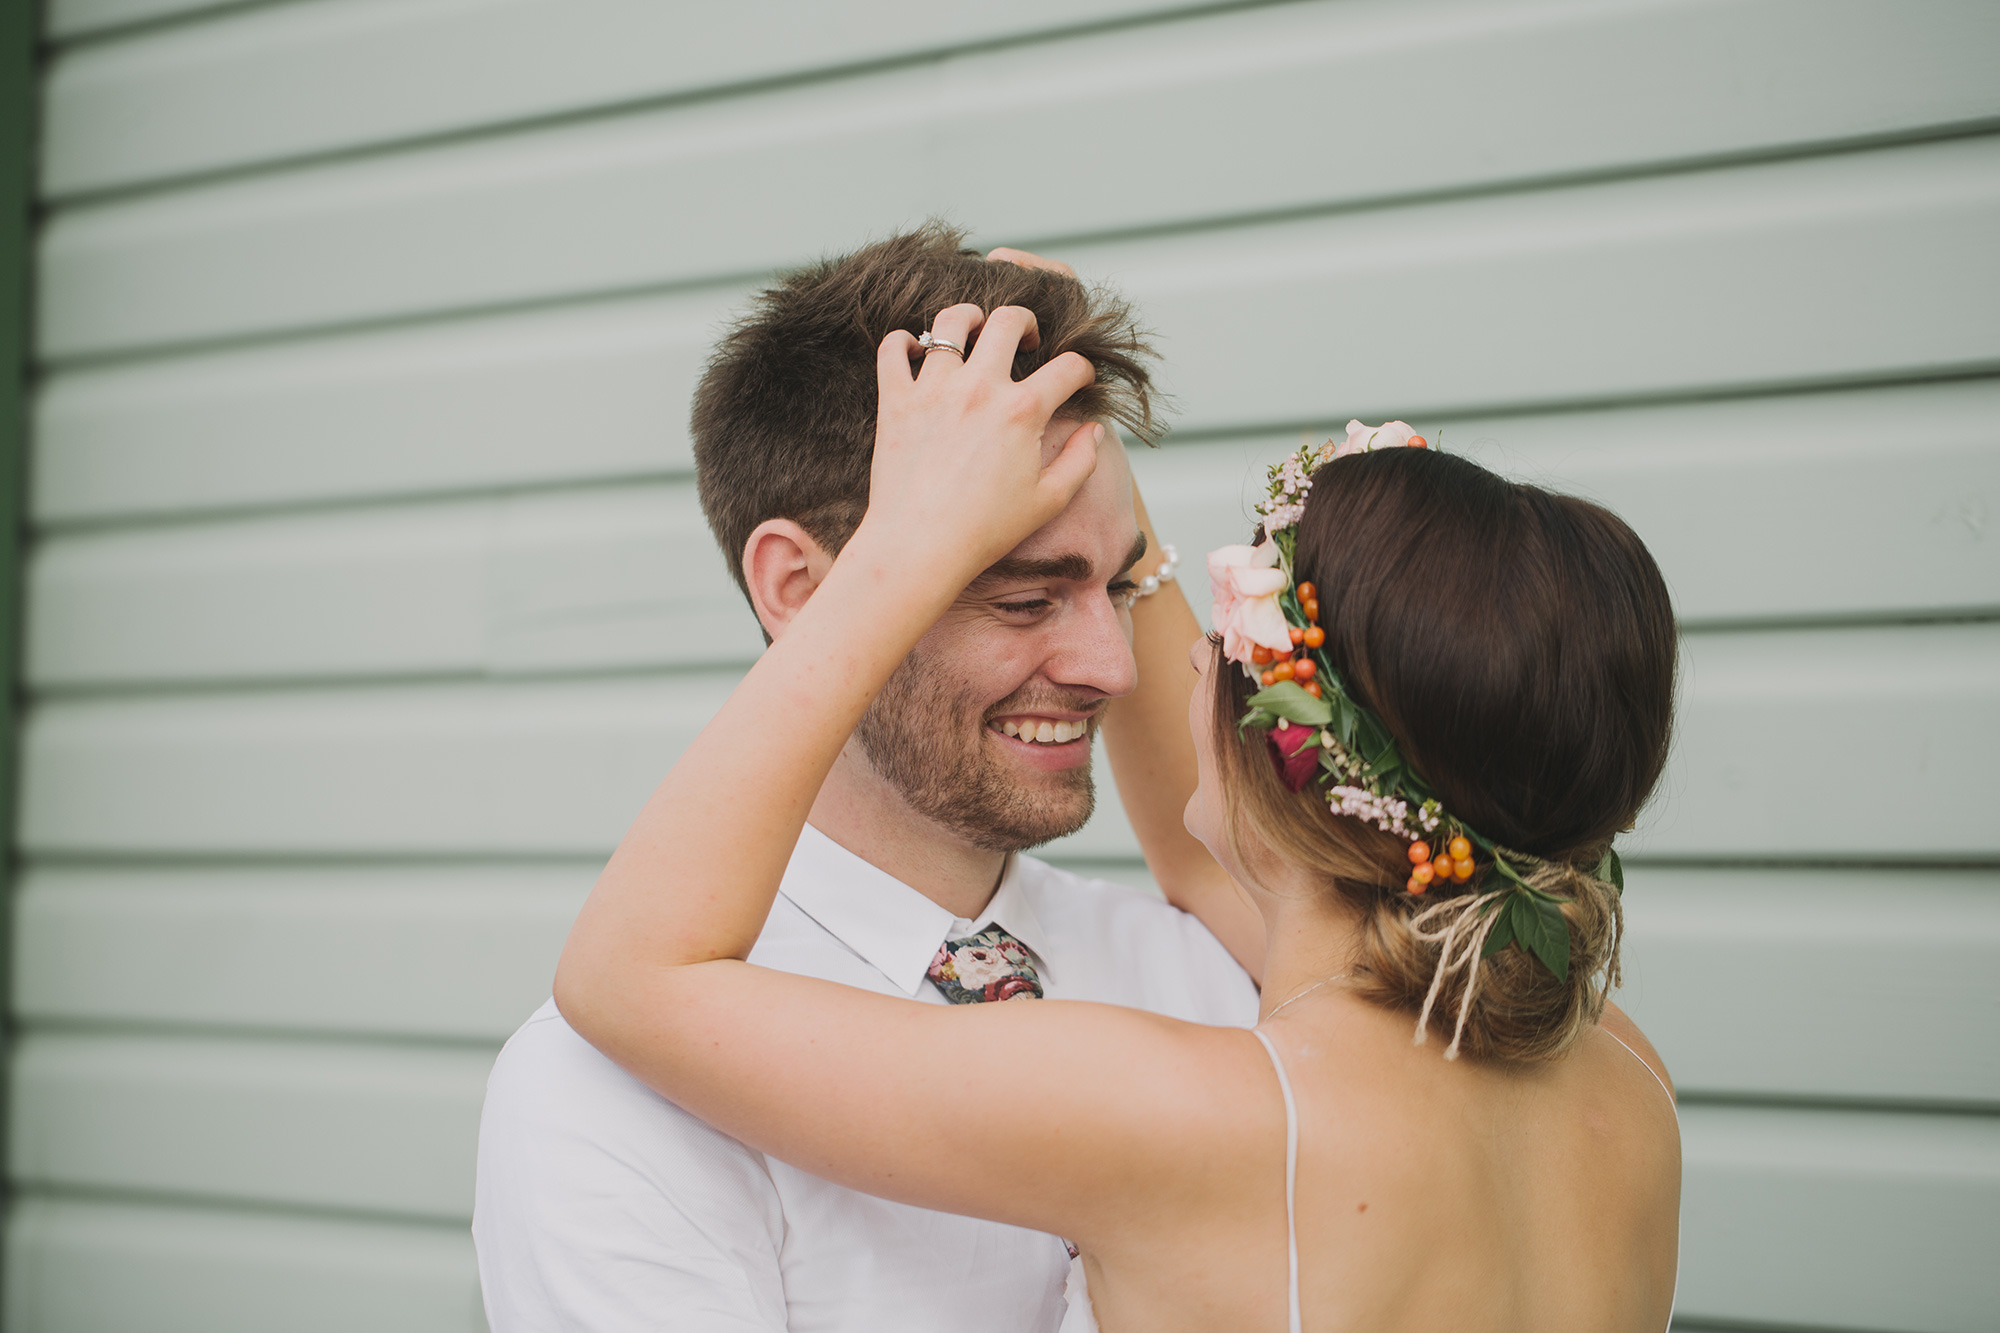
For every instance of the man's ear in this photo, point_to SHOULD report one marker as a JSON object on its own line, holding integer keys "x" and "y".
{"x": 782, "y": 565}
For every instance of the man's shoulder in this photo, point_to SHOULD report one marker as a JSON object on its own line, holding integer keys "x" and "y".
{"x": 1136, "y": 949}
{"x": 1069, "y": 901}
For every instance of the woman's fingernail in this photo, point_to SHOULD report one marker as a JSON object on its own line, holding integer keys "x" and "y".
{"x": 1097, "y": 435}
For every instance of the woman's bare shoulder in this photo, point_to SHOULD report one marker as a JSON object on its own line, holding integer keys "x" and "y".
{"x": 1620, "y": 1025}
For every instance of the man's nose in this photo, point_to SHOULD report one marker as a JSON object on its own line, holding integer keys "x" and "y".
{"x": 1093, "y": 651}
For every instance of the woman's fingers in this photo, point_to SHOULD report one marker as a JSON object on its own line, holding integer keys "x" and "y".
{"x": 1068, "y": 470}
{"x": 955, "y": 325}
{"x": 1060, "y": 380}
{"x": 892, "y": 362}
{"x": 1008, "y": 330}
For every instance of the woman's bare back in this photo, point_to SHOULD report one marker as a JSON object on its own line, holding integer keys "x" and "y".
{"x": 1430, "y": 1194}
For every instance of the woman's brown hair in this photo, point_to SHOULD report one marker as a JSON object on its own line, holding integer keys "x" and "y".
{"x": 1520, "y": 646}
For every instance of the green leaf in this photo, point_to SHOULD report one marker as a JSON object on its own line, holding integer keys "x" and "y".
{"x": 1612, "y": 871}
{"x": 1256, "y": 717}
{"x": 1500, "y": 936}
{"x": 1288, "y": 701}
{"x": 1550, "y": 940}
{"x": 1506, "y": 870}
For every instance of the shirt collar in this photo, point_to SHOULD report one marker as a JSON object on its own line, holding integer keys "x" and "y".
{"x": 1012, "y": 911}
{"x": 896, "y": 929}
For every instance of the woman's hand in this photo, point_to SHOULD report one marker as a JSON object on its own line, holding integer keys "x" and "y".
{"x": 959, "y": 477}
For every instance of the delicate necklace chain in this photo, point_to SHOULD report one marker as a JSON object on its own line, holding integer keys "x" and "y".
{"x": 1338, "y": 976}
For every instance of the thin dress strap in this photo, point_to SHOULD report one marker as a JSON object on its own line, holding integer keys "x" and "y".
{"x": 1291, "y": 1175}
{"x": 1649, "y": 1069}
{"x": 1673, "y": 1103}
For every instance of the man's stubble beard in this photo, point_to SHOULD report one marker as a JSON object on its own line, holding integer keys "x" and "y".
{"x": 926, "y": 739}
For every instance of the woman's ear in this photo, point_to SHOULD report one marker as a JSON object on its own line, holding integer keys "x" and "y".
{"x": 782, "y": 565}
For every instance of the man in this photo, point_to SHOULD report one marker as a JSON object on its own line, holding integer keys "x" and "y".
{"x": 602, "y": 1206}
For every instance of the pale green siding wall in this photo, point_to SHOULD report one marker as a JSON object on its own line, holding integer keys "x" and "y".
{"x": 368, "y": 593}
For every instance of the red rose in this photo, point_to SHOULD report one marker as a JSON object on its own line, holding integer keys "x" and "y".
{"x": 1295, "y": 750}
{"x": 1011, "y": 988}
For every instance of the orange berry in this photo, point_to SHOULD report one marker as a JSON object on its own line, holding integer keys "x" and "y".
{"x": 1420, "y": 852}
{"x": 1312, "y": 609}
{"x": 1304, "y": 670}
{"x": 1307, "y": 592}
{"x": 1315, "y": 636}
{"x": 1461, "y": 870}
{"x": 1298, "y": 636}
{"x": 1268, "y": 679}
{"x": 1442, "y": 867}
{"x": 1415, "y": 885}
{"x": 1418, "y": 442}
{"x": 1283, "y": 671}
{"x": 1312, "y": 687}
{"x": 1423, "y": 874}
{"x": 1461, "y": 849}
{"x": 1260, "y": 655}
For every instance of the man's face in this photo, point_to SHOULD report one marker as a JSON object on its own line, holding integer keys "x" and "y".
{"x": 1036, "y": 647}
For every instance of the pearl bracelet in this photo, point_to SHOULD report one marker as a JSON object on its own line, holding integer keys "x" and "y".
{"x": 1164, "y": 574}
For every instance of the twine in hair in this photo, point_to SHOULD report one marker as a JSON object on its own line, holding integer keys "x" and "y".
{"x": 1467, "y": 959}
{"x": 1462, "y": 950}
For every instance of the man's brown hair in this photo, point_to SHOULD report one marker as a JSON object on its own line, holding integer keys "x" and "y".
{"x": 784, "y": 417}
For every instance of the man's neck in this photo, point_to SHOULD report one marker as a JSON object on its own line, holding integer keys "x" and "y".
{"x": 868, "y": 817}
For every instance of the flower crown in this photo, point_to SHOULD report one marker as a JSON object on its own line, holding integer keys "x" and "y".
{"x": 1319, "y": 733}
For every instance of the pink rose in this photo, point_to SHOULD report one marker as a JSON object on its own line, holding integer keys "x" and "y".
{"x": 1389, "y": 435}
{"x": 1295, "y": 750}
{"x": 979, "y": 965}
{"x": 1245, "y": 584}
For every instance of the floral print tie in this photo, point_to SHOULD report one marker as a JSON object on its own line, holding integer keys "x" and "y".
{"x": 991, "y": 965}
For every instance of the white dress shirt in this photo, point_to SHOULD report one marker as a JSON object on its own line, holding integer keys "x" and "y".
{"x": 601, "y": 1206}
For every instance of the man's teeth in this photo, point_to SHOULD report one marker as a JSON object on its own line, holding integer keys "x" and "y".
{"x": 1046, "y": 733}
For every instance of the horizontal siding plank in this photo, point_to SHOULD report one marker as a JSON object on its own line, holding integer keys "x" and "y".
{"x": 374, "y": 1129}
{"x": 1773, "y": 983}
{"x": 1775, "y": 245}
{"x": 78, "y": 1266}
{"x": 1849, "y": 1219}
{"x": 67, "y": 19}
{"x": 570, "y": 581}
{"x": 1851, "y": 984}
{"x": 464, "y": 953}
{"x": 1761, "y": 767}
{"x": 1743, "y": 278}
{"x": 481, "y": 770}
{"x": 172, "y": 104}
{"x": 516, "y": 400}
{"x": 1756, "y": 509}
{"x": 1840, "y": 1220}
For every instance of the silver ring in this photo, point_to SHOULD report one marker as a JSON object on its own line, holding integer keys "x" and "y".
{"x": 931, "y": 343}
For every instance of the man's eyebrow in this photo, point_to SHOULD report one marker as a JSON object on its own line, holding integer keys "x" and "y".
{"x": 1134, "y": 556}
{"x": 1071, "y": 567}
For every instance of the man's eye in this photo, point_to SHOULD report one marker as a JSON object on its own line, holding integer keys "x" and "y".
{"x": 1124, "y": 592}
{"x": 1028, "y": 607}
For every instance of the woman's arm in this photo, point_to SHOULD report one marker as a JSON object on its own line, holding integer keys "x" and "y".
{"x": 1048, "y": 1115}
{"x": 1152, "y": 758}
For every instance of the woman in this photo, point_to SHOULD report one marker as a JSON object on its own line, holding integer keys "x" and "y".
{"x": 1514, "y": 649}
